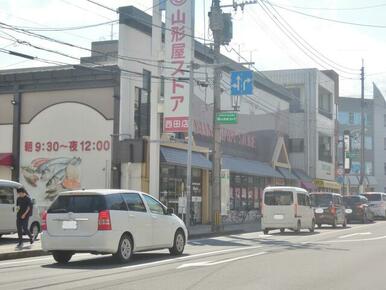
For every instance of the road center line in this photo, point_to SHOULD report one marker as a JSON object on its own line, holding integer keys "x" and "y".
{"x": 355, "y": 234}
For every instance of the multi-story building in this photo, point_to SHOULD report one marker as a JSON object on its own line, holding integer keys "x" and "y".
{"x": 349, "y": 117}
{"x": 312, "y": 121}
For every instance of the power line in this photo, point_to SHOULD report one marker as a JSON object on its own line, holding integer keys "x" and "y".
{"x": 344, "y": 68}
{"x": 334, "y": 9}
{"x": 326, "y": 19}
{"x": 66, "y": 28}
{"x": 311, "y": 54}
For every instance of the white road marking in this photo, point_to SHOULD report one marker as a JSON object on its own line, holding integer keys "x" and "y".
{"x": 352, "y": 241}
{"x": 355, "y": 234}
{"x": 191, "y": 257}
{"x": 209, "y": 263}
{"x": 34, "y": 260}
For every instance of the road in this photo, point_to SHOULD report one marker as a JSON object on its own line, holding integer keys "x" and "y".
{"x": 351, "y": 258}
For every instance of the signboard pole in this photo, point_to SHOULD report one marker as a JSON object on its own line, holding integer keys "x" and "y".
{"x": 190, "y": 141}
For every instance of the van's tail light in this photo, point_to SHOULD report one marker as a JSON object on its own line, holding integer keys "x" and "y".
{"x": 104, "y": 221}
{"x": 296, "y": 209}
{"x": 44, "y": 221}
{"x": 333, "y": 210}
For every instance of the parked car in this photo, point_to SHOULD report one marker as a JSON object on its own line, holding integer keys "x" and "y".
{"x": 377, "y": 203}
{"x": 286, "y": 208}
{"x": 329, "y": 209}
{"x": 8, "y": 211}
{"x": 118, "y": 222}
{"x": 357, "y": 208}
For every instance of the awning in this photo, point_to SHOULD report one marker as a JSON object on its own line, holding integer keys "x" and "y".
{"x": 371, "y": 180}
{"x": 326, "y": 184}
{"x": 180, "y": 157}
{"x": 287, "y": 174}
{"x": 6, "y": 159}
{"x": 308, "y": 185}
{"x": 250, "y": 167}
{"x": 301, "y": 175}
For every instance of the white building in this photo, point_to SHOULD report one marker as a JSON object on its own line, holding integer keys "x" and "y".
{"x": 312, "y": 121}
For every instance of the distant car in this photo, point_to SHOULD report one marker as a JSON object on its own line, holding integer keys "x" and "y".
{"x": 357, "y": 208}
{"x": 118, "y": 222}
{"x": 377, "y": 203}
{"x": 8, "y": 211}
{"x": 286, "y": 208}
{"x": 329, "y": 209}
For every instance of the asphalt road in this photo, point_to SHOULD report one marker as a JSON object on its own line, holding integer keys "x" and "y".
{"x": 351, "y": 258}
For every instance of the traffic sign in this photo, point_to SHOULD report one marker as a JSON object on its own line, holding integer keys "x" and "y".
{"x": 226, "y": 118}
{"x": 241, "y": 83}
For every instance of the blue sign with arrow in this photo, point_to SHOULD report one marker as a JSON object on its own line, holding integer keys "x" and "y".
{"x": 241, "y": 83}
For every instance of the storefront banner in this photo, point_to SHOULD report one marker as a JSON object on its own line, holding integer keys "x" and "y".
{"x": 225, "y": 191}
{"x": 178, "y": 48}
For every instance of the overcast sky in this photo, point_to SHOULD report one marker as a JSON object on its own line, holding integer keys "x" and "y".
{"x": 332, "y": 45}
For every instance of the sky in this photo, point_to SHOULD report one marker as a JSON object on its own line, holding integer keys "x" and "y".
{"x": 255, "y": 35}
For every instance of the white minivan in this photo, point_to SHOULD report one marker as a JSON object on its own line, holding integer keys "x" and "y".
{"x": 8, "y": 197}
{"x": 286, "y": 208}
{"x": 377, "y": 203}
{"x": 107, "y": 221}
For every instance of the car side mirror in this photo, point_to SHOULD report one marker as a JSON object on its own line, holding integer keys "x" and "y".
{"x": 170, "y": 211}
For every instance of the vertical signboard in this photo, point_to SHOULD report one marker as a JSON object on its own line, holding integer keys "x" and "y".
{"x": 346, "y": 152}
{"x": 178, "y": 50}
{"x": 225, "y": 191}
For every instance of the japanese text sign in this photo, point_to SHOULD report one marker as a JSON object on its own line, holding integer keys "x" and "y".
{"x": 178, "y": 49}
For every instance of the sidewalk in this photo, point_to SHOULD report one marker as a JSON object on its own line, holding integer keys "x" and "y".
{"x": 9, "y": 251}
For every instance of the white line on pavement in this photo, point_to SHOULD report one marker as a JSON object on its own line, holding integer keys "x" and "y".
{"x": 355, "y": 234}
{"x": 209, "y": 263}
{"x": 192, "y": 257}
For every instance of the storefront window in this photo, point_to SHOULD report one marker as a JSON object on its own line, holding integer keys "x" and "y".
{"x": 172, "y": 188}
{"x": 245, "y": 192}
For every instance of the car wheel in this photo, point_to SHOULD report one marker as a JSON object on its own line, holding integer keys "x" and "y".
{"x": 298, "y": 227}
{"x": 312, "y": 228}
{"x": 178, "y": 244}
{"x": 334, "y": 223}
{"x": 62, "y": 257}
{"x": 125, "y": 249}
{"x": 344, "y": 223}
{"x": 282, "y": 230}
{"x": 265, "y": 231}
{"x": 34, "y": 230}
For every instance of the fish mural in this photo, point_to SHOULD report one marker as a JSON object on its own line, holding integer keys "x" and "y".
{"x": 56, "y": 174}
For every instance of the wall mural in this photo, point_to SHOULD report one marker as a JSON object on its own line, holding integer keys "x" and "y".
{"x": 66, "y": 146}
{"x": 55, "y": 174}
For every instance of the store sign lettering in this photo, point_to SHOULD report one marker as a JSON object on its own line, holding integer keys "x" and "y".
{"x": 178, "y": 46}
{"x": 71, "y": 146}
{"x": 227, "y": 135}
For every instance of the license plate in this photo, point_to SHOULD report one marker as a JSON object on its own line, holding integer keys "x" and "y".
{"x": 278, "y": 217}
{"x": 69, "y": 225}
{"x": 319, "y": 210}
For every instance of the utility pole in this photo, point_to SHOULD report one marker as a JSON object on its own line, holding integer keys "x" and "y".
{"x": 221, "y": 26}
{"x": 361, "y": 186}
{"x": 217, "y": 26}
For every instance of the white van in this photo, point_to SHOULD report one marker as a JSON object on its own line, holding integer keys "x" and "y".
{"x": 8, "y": 197}
{"x": 377, "y": 203}
{"x": 286, "y": 208}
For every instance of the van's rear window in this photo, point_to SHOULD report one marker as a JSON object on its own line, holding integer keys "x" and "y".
{"x": 78, "y": 204}
{"x": 320, "y": 199}
{"x": 278, "y": 198}
{"x": 373, "y": 197}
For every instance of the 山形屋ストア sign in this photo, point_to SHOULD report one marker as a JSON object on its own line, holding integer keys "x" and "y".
{"x": 178, "y": 49}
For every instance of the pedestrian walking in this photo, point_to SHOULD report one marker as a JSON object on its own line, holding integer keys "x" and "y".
{"x": 24, "y": 211}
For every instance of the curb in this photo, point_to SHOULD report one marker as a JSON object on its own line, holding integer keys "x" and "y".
{"x": 22, "y": 254}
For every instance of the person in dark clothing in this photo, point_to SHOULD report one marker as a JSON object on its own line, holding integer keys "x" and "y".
{"x": 24, "y": 206}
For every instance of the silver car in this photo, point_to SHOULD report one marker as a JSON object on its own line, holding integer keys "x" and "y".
{"x": 118, "y": 222}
